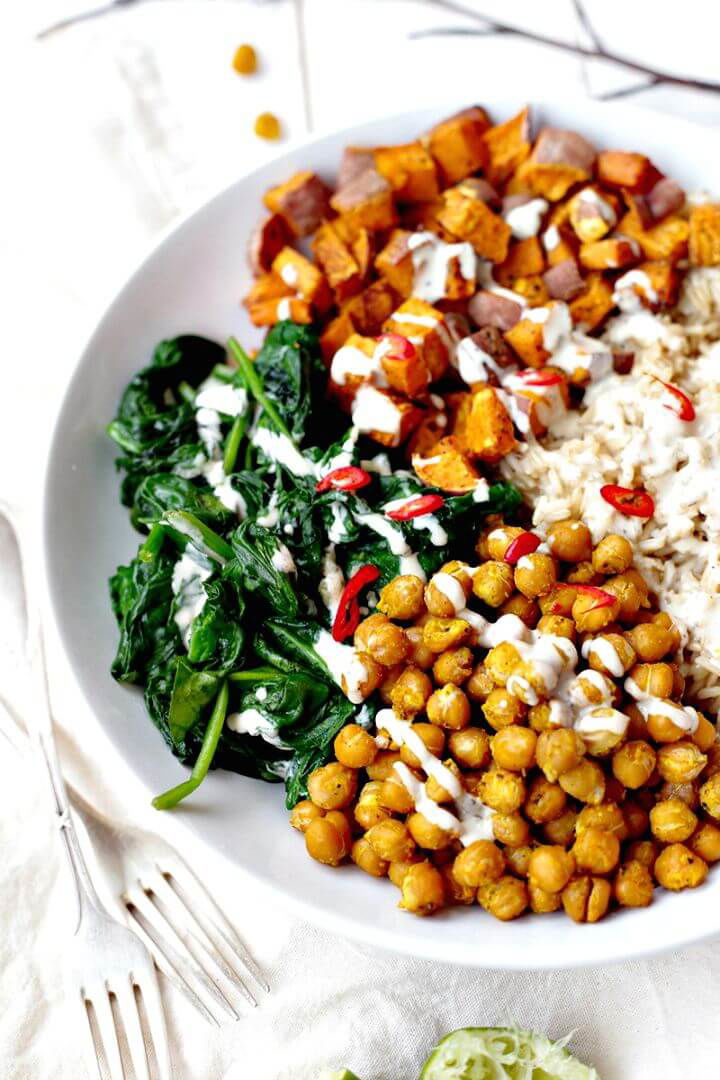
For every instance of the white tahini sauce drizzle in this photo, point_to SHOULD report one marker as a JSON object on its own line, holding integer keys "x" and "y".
{"x": 344, "y": 664}
{"x": 283, "y": 561}
{"x": 253, "y": 722}
{"x": 525, "y": 220}
{"x": 431, "y": 258}
{"x": 683, "y": 716}
{"x": 605, "y": 653}
{"x": 282, "y": 450}
{"x": 332, "y": 582}
{"x": 451, "y": 589}
{"x": 283, "y": 310}
{"x": 374, "y": 411}
{"x": 349, "y": 360}
{"x": 626, "y": 295}
{"x": 189, "y": 573}
{"x": 438, "y": 535}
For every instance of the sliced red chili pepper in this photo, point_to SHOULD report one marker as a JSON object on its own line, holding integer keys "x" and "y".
{"x": 423, "y": 504}
{"x": 684, "y": 408}
{"x": 533, "y": 377}
{"x": 524, "y": 544}
{"x": 347, "y": 615}
{"x": 603, "y": 597}
{"x": 629, "y": 501}
{"x": 347, "y": 478}
{"x": 400, "y": 348}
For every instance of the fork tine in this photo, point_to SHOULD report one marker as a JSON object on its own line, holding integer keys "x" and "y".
{"x": 107, "y": 1032}
{"x": 146, "y": 982}
{"x": 168, "y": 896}
{"x": 90, "y": 1052}
{"x": 128, "y": 1011}
{"x": 220, "y": 922}
{"x": 168, "y": 958}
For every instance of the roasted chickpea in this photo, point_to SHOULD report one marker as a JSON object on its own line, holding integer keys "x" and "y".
{"x": 449, "y": 707}
{"x": 677, "y": 867}
{"x": 551, "y": 867}
{"x": 613, "y": 555}
{"x": 558, "y": 751}
{"x": 570, "y": 541}
{"x": 582, "y": 574}
{"x": 522, "y": 606}
{"x": 501, "y": 662}
{"x": 482, "y": 544}
{"x": 631, "y": 591}
{"x": 453, "y": 666}
{"x": 633, "y": 885}
{"x": 643, "y": 851}
{"x": 382, "y": 639}
{"x": 654, "y": 679}
{"x": 493, "y": 583}
{"x": 478, "y": 863}
{"x": 651, "y": 641}
{"x": 633, "y": 763}
{"x": 672, "y": 821}
{"x": 543, "y": 902}
{"x": 422, "y": 889}
{"x": 586, "y": 782}
{"x": 609, "y": 648}
{"x": 513, "y": 748}
{"x": 303, "y": 814}
{"x": 391, "y": 840}
{"x": 354, "y": 747}
{"x": 511, "y": 830}
{"x": 382, "y": 767}
{"x": 545, "y": 801}
{"x": 455, "y": 893}
{"x": 418, "y": 653}
{"x": 327, "y": 841}
{"x": 402, "y": 598}
{"x": 557, "y": 625}
{"x": 586, "y": 899}
{"x": 607, "y": 816}
{"x": 661, "y": 727}
{"x": 470, "y": 747}
{"x": 501, "y": 790}
{"x": 363, "y": 855}
{"x": 479, "y": 684}
{"x": 590, "y": 615}
{"x": 394, "y": 796}
{"x": 372, "y": 675}
{"x": 680, "y": 762}
{"x": 390, "y": 677}
{"x": 442, "y": 634}
{"x": 705, "y": 842}
{"x": 502, "y": 708}
{"x": 559, "y": 600}
{"x": 435, "y": 790}
{"x": 369, "y": 809}
{"x": 446, "y": 593}
{"x": 596, "y": 850}
{"x": 426, "y": 834}
{"x": 332, "y": 786}
{"x": 432, "y": 736}
{"x": 411, "y": 692}
{"x": 661, "y": 618}
{"x": 500, "y": 539}
{"x": 561, "y": 830}
{"x": 518, "y": 859}
{"x": 535, "y": 575}
{"x": 704, "y": 734}
{"x": 505, "y": 898}
{"x": 540, "y": 718}
{"x": 710, "y": 796}
{"x": 398, "y": 869}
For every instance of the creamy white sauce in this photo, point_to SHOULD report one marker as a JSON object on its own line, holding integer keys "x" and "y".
{"x": 283, "y": 561}
{"x": 379, "y": 464}
{"x": 337, "y": 531}
{"x": 683, "y": 716}
{"x": 253, "y": 722}
{"x": 189, "y": 573}
{"x": 344, "y": 664}
{"x": 451, "y": 589}
{"x": 349, "y": 360}
{"x": 332, "y": 582}
{"x": 481, "y": 491}
{"x": 605, "y": 653}
{"x": 289, "y": 273}
{"x": 431, "y": 258}
{"x": 283, "y": 310}
{"x": 410, "y": 564}
{"x": 625, "y": 293}
{"x": 373, "y": 411}
{"x": 282, "y": 450}
{"x": 438, "y": 535}
{"x": 551, "y": 238}
{"x": 389, "y": 532}
{"x": 525, "y": 220}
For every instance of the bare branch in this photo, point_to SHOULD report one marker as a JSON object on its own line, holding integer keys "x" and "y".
{"x": 626, "y": 91}
{"x": 584, "y": 20}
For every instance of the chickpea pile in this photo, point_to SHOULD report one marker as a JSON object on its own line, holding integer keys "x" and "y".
{"x": 581, "y": 823}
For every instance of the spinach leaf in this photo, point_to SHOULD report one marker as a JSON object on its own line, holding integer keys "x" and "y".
{"x": 256, "y": 567}
{"x": 293, "y": 377}
{"x": 312, "y": 745}
{"x": 142, "y": 598}
{"x": 217, "y": 635}
{"x": 296, "y": 640}
{"x": 205, "y": 758}
{"x": 192, "y": 691}
{"x": 163, "y": 491}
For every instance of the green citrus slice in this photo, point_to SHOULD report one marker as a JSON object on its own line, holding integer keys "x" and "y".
{"x": 503, "y": 1054}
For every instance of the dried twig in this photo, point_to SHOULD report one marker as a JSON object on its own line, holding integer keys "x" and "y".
{"x": 597, "y": 52}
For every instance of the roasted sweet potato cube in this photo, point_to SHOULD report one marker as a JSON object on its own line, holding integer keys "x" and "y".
{"x": 363, "y": 249}
{"x": 457, "y": 144}
{"x": 427, "y": 434}
{"x": 666, "y": 240}
{"x": 267, "y": 287}
{"x": 611, "y": 254}
{"x": 622, "y": 169}
{"x": 560, "y": 243}
{"x": 534, "y": 408}
{"x": 594, "y": 304}
{"x": 366, "y": 202}
{"x": 525, "y": 257}
{"x": 406, "y": 373}
{"x": 664, "y": 280}
{"x": 303, "y": 277}
{"x": 369, "y": 309}
{"x": 302, "y": 201}
{"x": 484, "y": 428}
{"x": 424, "y": 217}
{"x": 457, "y": 286}
{"x": 394, "y": 262}
{"x": 352, "y": 365}
{"x": 593, "y": 214}
{"x": 666, "y": 197}
{"x": 508, "y": 145}
{"x": 533, "y": 289}
{"x": 559, "y": 159}
{"x": 270, "y": 237}
{"x": 425, "y": 327}
{"x": 470, "y": 219}
{"x": 335, "y": 334}
{"x": 269, "y": 312}
{"x": 550, "y": 181}
{"x": 447, "y": 468}
{"x": 354, "y": 162}
{"x": 385, "y": 416}
{"x": 705, "y": 235}
{"x": 334, "y": 256}
{"x": 410, "y": 171}
{"x": 535, "y": 335}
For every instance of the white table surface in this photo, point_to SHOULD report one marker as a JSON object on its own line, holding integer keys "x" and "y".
{"x": 111, "y": 130}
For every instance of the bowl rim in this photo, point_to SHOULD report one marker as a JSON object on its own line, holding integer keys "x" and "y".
{"x": 431, "y": 948}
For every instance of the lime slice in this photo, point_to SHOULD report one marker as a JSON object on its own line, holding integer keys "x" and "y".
{"x": 503, "y": 1054}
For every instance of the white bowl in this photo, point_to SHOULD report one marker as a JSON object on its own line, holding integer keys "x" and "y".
{"x": 192, "y": 282}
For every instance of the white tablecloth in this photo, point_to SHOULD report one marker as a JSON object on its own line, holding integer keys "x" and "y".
{"x": 110, "y": 130}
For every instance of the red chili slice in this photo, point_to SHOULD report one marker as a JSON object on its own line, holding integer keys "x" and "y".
{"x": 401, "y": 348}
{"x": 604, "y": 598}
{"x": 347, "y": 478}
{"x": 524, "y": 544}
{"x": 423, "y": 504}
{"x": 347, "y": 615}
{"x": 684, "y": 408}
{"x": 632, "y": 503}
{"x": 533, "y": 377}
